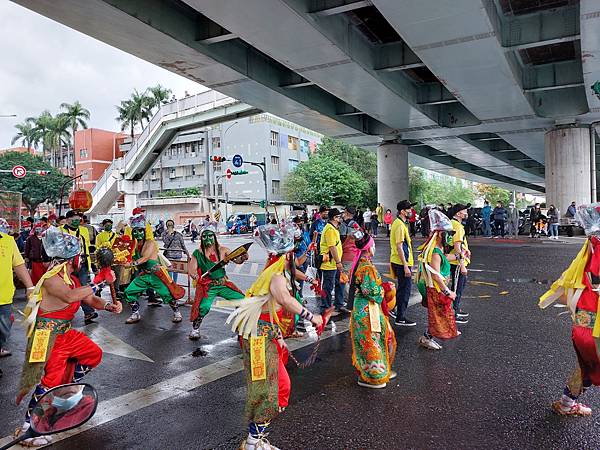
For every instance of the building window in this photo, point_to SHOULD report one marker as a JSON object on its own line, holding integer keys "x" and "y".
{"x": 172, "y": 172}
{"x": 216, "y": 142}
{"x": 275, "y": 187}
{"x": 83, "y": 153}
{"x": 153, "y": 174}
{"x": 292, "y": 164}
{"x": 275, "y": 163}
{"x": 304, "y": 146}
{"x": 274, "y": 138}
{"x": 293, "y": 143}
{"x": 193, "y": 170}
{"x": 219, "y": 190}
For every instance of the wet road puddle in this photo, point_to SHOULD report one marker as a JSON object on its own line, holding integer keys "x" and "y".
{"x": 199, "y": 352}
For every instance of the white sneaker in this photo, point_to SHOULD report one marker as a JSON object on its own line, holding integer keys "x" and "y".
{"x": 38, "y": 441}
{"x": 576, "y": 409}
{"x": 393, "y": 374}
{"x": 430, "y": 344}
{"x": 194, "y": 334}
{"x": 134, "y": 318}
{"x": 252, "y": 443}
{"x": 177, "y": 317}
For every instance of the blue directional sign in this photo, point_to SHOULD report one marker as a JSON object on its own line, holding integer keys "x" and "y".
{"x": 237, "y": 160}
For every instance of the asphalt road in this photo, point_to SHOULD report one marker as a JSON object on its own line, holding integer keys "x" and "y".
{"x": 490, "y": 388}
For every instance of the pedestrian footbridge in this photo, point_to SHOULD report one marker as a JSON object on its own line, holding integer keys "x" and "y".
{"x": 124, "y": 175}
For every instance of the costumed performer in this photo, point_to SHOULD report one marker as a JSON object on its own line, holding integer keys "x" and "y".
{"x": 433, "y": 279}
{"x": 373, "y": 339}
{"x": 215, "y": 284}
{"x": 578, "y": 288}
{"x": 55, "y": 353}
{"x": 263, "y": 348}
{"x": 151, "y": 274}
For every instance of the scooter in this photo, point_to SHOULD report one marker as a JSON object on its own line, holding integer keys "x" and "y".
{"x": 60, "y": 409}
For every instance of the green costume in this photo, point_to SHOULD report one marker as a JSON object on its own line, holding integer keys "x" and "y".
{"x": 146, "y": 280}
{"x": 214, "y": 285}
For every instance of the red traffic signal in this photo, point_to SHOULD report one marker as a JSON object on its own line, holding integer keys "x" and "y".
{"x": 218, "y": 158}
{"x": 42, "y": 172}
{"x": 228, "y": 173}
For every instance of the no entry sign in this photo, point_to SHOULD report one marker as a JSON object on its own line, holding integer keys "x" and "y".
{"x": 19, "y": 171}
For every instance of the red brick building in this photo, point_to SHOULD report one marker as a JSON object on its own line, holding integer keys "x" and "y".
{"x": 95, "y": 150}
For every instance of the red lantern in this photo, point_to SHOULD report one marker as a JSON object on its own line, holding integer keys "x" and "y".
{"x": 80, "y": 200}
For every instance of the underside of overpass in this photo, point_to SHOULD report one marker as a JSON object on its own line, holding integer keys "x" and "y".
{"x": 495, "y": 91}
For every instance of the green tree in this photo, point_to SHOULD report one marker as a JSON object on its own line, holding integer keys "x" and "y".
{"x": 159, "y": 95}
{"x": 42, "y": 125}
{"x": 494, "y": 194}
{"x": 36, "y": 189}
{"x": 26, "y": 134}
{"x": 76, "y": 116}
{"x": 433, "y": 190}
{"x": 362, "y": 161}
{"x": 134, "y": 111}
{"x": 325, "y": 180}
{"x": 58, "y": 136}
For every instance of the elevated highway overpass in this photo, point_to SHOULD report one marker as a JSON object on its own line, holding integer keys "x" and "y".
{"x": 497, "y": 91}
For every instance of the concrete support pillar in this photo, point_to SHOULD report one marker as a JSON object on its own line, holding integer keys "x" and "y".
{"x": 131, "y": 190}
{"x": 130, "y": 205}
{"x": 392, "y": 174}
{"x": 568, "y": 167}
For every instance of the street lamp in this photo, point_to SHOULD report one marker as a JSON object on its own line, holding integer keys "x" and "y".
{"x": 8, "y": 115}
{"x": 62, "y": 189}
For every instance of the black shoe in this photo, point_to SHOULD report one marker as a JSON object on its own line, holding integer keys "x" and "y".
{"x": 462, "y": 320}
{"x": 405, "y": 323}
{"x": 89, "y": 318}
{"x": 343, "y": 310}
{"x": 153, "y": 301}
{"x": 393, "y": 314}
{"x": 462, "y": 314}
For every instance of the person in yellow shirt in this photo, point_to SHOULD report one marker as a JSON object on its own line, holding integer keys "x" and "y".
{"x": 331, "y": 268}
{"x": 73, "y": 227}
{"x": 10, "y": 261}
{"x": 458, "y": 267}
{"x": 401, "y": 262}
{"x": 107, "y": 237}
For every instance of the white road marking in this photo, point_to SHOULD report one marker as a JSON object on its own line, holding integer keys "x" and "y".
{"x": 173, "y": 388}
{"x": 109, "y": 343}
{"x": 237, "y": 268}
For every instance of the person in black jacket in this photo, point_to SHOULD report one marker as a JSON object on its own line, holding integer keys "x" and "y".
{"x": 499, "y": 215}
{"x": 535, "y": 215}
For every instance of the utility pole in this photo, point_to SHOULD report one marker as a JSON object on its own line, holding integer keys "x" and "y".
{"x": 263, "y": 167}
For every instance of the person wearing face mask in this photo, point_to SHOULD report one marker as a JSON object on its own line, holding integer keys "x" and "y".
{"x": 65, "y": 355}
{"x": 462, "y": 258}
{"x": 433, "y": 281}
{"x": 215, "y": 284}
{"x": 331, "y": 251}
{"x": 74, "y": 228}
{"x": 401, "y": 261}
{"x": 174, "y": 246}
{"x": 34, "y": 254}
{"x": 150, "y": 275}
{"x": 373, "y": 339}
{"x": 66, "y": 407}
{"x": 107, "y": 237}
{"x": 577, "y": 288}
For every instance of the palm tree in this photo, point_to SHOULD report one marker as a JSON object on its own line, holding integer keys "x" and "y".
{"x": 159, "y": 96}
{"x": 26, "y": 134}
{"x": 58, "y": 136}
{"x": 76, "y": 116}
{"x": 134, "y": 110}
{"x": 41, "y": 126}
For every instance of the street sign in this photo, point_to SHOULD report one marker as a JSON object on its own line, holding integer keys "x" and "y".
{"x": 228, "y": 173}
{"x": 19, "y": 171}
{"x": 218, "y": 216}
{"x": 237, "y": 160}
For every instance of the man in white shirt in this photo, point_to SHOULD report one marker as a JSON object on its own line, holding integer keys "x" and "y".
{"x": 367, "y": 219}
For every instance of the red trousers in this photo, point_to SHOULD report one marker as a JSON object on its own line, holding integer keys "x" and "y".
{"x": 285, "y": 385}
{"x": 587, "y": 355}
{"x": 69, "y": 349}
{"x": 38, "y": 269}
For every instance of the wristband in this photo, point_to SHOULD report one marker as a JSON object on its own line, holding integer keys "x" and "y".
{"x": 31, "y": 288}
{"x": 306, "y": 314}
{"x": 446, "y": 291}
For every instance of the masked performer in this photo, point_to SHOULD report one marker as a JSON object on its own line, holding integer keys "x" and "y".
{"x": 151, "y": 275}
{"x": 55, "y": 353}
{"x": 433, "y": 281}
{"x": 373, "y": 339}
{"x": 578, "y": 289}
{"x": 215, "y": 284}
{"x": 263, "y": 349}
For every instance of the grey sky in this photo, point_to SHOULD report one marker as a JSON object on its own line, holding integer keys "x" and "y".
{"x": 45, "y": 63}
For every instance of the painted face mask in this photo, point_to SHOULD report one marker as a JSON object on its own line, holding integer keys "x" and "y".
{"x": 138, "y": 234}
{"x": 75, "y": 223}
{"x": 208, "y": 239}
{"x": 108, "y": 227}
{"x": 447, "y": 239}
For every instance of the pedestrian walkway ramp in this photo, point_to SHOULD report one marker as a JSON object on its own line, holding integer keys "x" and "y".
{"x": 201, "y": 110}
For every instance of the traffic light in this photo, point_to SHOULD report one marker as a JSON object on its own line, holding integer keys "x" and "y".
{"x": 262, "y": 203}
{"x": 218, "y": 158}
{"x": 42, "y": 172}
{"x": 239, "y": 172}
